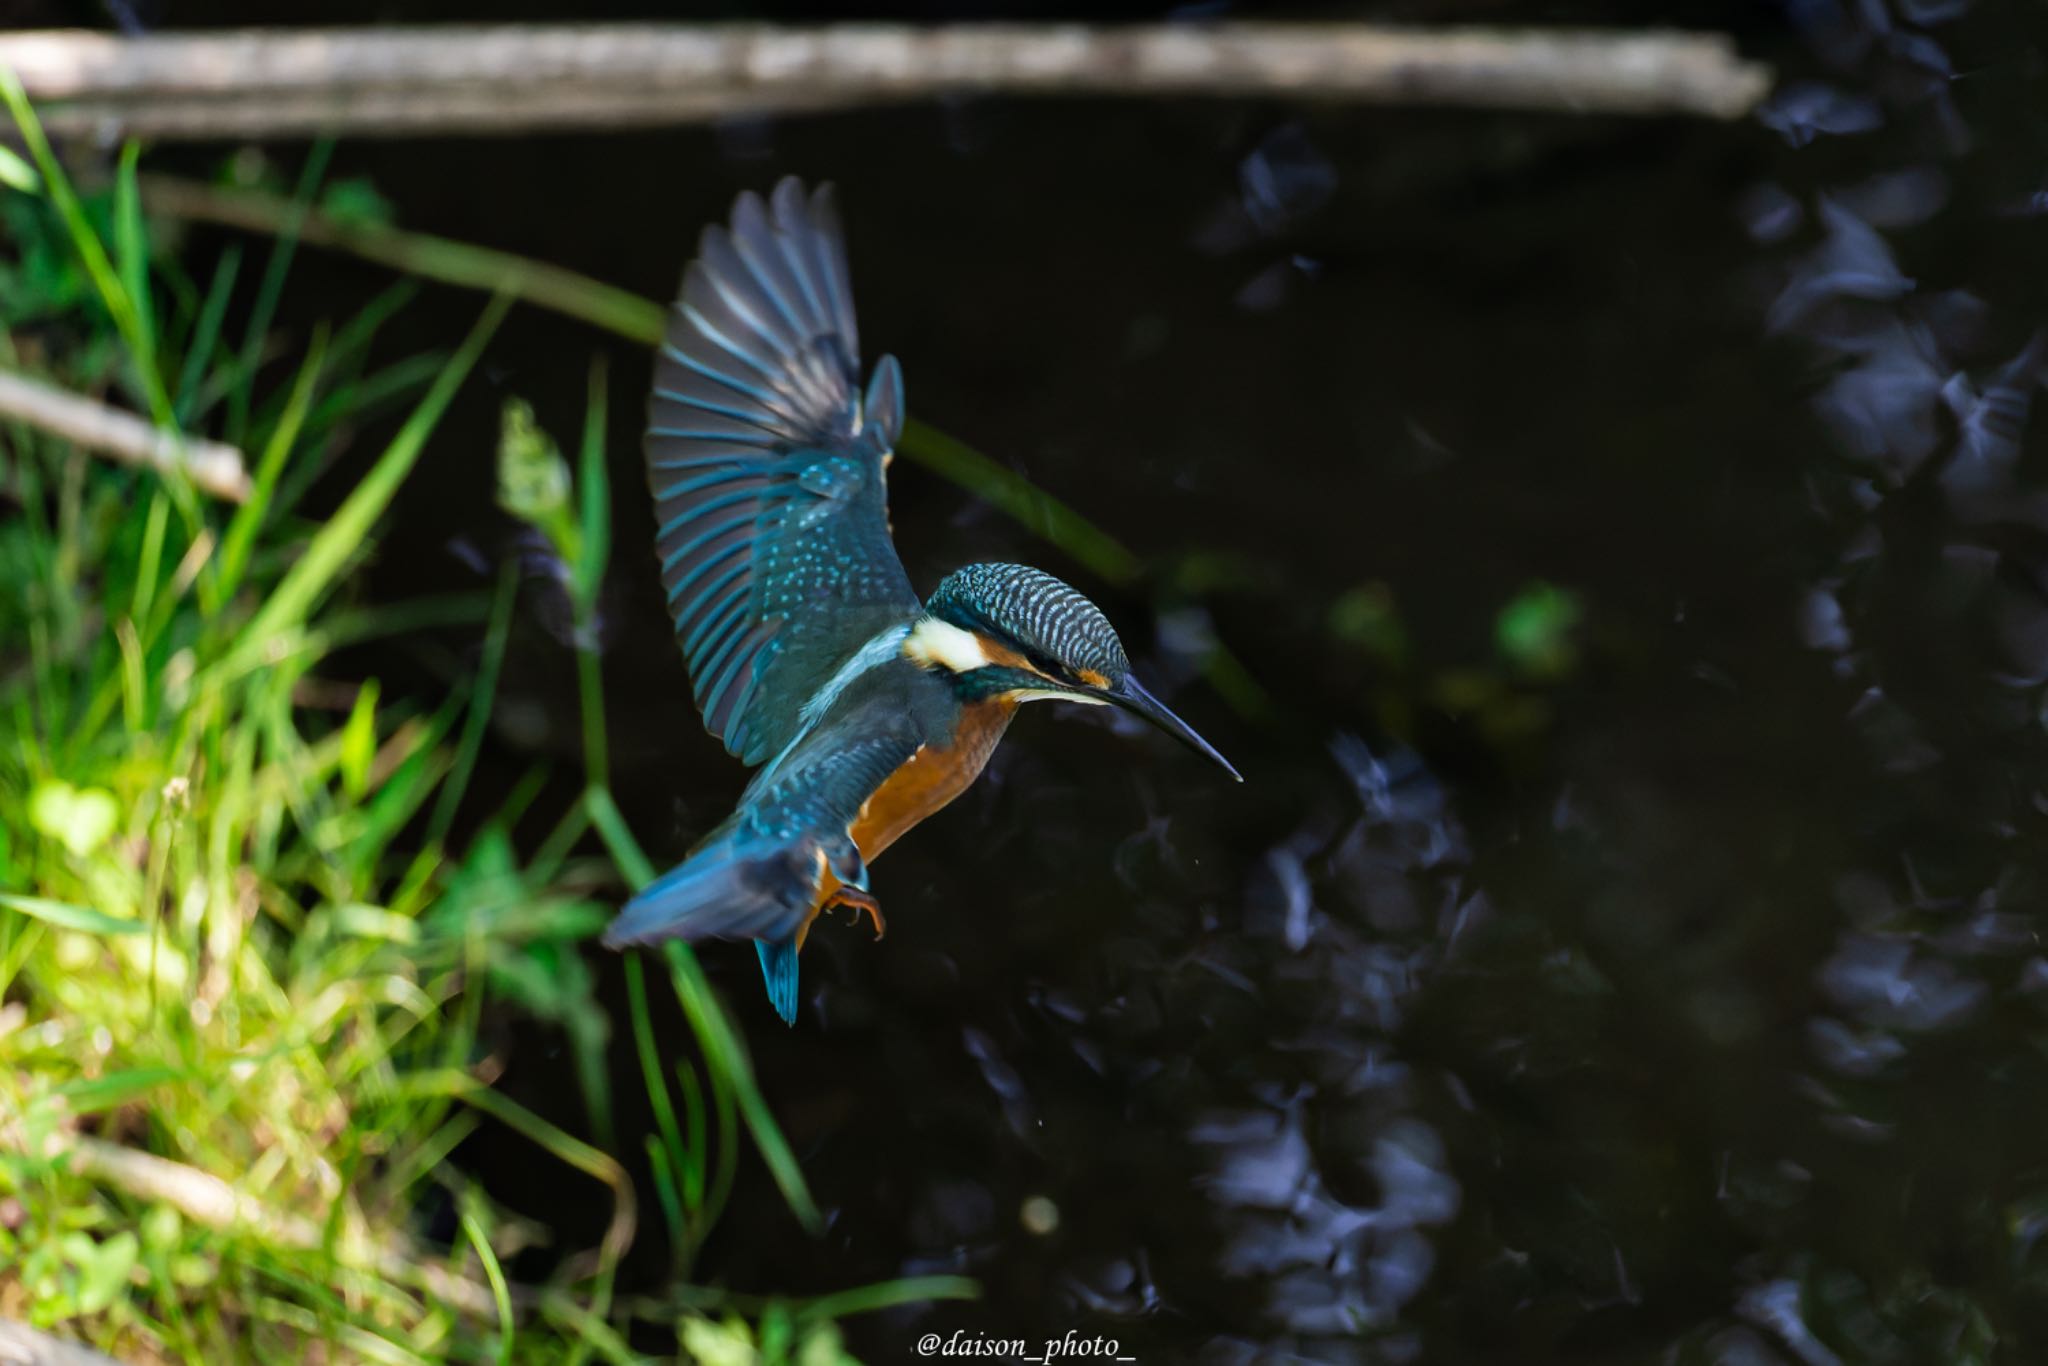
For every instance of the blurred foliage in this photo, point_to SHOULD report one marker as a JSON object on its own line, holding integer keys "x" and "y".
{"x": 1368, "y": 617}
{"x": 1505, "y": 699}
{"x": 778, "y": 1342}
{"x": 1534, "y": 632}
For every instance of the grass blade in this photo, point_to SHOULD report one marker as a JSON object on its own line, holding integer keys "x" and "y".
{"x": 593, "y": 488}
{"x": 206, "y": 334}
{"x": 723, "y": 1049}
{"x": 336, "y": 542}
{"x": 501, "y": 1293}
{"x": 483, "y": 693}
{"x": 131, "y": 256}
{"x": 720, "y": 1041}
{"x": 68, "y": 917}
{"x": 867, "y": 1299}
{"x": 241, "y": 532}
{"x": 92, "y": 253}
{"x": 272, "y": 287}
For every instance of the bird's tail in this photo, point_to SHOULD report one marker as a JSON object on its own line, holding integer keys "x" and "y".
{"x": 728, "y": 890}
{"x": 778, "y": 970}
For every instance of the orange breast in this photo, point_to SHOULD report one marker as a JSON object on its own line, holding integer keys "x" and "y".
{"x": 930, "y": 778}
{"x": 926, "y": 781}
{"x": 922, "y": 785}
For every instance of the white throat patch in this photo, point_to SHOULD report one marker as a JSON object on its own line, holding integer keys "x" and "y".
{"x": 934, "y": 643}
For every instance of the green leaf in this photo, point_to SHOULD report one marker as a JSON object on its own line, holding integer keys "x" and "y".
{"x": 718, "y": 1344}
{"x": 79, "y": 819}
{"x": 359, "y": 741}
{"x": 1534, "y": 630}
{"x": 822, "y": 1347}
{"x": 17, "y": 174}
{"x": 103, "y": 1268}
{"x": 66, "y": 916}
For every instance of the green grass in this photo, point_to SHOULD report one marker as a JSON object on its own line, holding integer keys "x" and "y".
{"x": 244, "y": 959}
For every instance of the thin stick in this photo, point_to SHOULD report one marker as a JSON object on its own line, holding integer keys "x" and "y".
{"x": 213, "y": 467}
{"x": 21, "y": 1345}
{"x": 206, "y": 1199}
{"x": 518, "y": 78}
{"x": 415, "y": 253}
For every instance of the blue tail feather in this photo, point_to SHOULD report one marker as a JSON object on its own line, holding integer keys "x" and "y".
{"x": 778, "y": 970}
{"x": 756, "y": 889}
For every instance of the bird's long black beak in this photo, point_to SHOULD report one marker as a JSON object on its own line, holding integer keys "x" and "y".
{"x": 1132, "y": 697}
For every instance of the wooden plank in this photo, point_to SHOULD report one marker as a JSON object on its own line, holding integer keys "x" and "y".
{"x": 507, "y": 79}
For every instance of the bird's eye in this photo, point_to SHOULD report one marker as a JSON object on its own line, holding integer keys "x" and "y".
{"x": 1055, "y": 672}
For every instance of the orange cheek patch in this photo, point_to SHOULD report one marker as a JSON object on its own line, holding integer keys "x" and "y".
{"x": 1004, "y": 655}
{"x": 1092, "y": 678}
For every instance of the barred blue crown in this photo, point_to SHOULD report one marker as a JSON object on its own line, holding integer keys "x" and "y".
{"x": 1038, "y": 613}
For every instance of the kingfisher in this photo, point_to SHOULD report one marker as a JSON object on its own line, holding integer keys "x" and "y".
{"x": 864, "y": 708}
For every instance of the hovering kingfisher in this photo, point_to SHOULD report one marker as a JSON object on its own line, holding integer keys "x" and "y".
{"x": 808, "y": 651}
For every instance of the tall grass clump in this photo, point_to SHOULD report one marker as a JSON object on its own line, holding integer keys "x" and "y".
{"x": 251, "y": 913}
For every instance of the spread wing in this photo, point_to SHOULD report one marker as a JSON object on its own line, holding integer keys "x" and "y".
{"x": 765, "y": 462}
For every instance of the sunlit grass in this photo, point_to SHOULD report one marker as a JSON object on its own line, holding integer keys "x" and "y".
{"x": 244, "y": 952}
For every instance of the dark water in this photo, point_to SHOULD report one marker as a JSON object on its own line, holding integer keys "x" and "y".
{"x": 1678, "y": 998}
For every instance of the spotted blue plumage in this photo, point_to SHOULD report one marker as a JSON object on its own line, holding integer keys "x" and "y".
{"x": 766, "y": 465}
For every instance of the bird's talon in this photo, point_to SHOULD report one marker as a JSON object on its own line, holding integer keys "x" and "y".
{"x": 856, "y": 902}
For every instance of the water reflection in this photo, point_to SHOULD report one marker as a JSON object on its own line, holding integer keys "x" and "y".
{"x": 1362, "y": 911}
{"x": 1932, "y": 614}
{"x": 1696, "y": 1020}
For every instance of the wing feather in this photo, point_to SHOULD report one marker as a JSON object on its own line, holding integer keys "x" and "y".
{"x": 765, "y": 461}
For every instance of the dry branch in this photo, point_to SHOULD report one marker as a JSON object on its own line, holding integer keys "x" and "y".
{"x": 21, "y": 1345}
{"x": 505, "y": 79}
{"x": 207, "y": 1200}
{"x": 213, "y": 467}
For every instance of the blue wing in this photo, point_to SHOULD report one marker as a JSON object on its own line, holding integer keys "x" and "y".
{"x": 766, "y": 463}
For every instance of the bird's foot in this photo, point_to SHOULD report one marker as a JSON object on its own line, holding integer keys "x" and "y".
{"x": 857, "y": 901}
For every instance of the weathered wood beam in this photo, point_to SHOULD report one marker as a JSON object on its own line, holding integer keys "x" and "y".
{"x": 510, "y": 79}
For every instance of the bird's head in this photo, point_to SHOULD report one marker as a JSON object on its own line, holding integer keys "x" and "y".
{"x": 1006, "y": 630}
